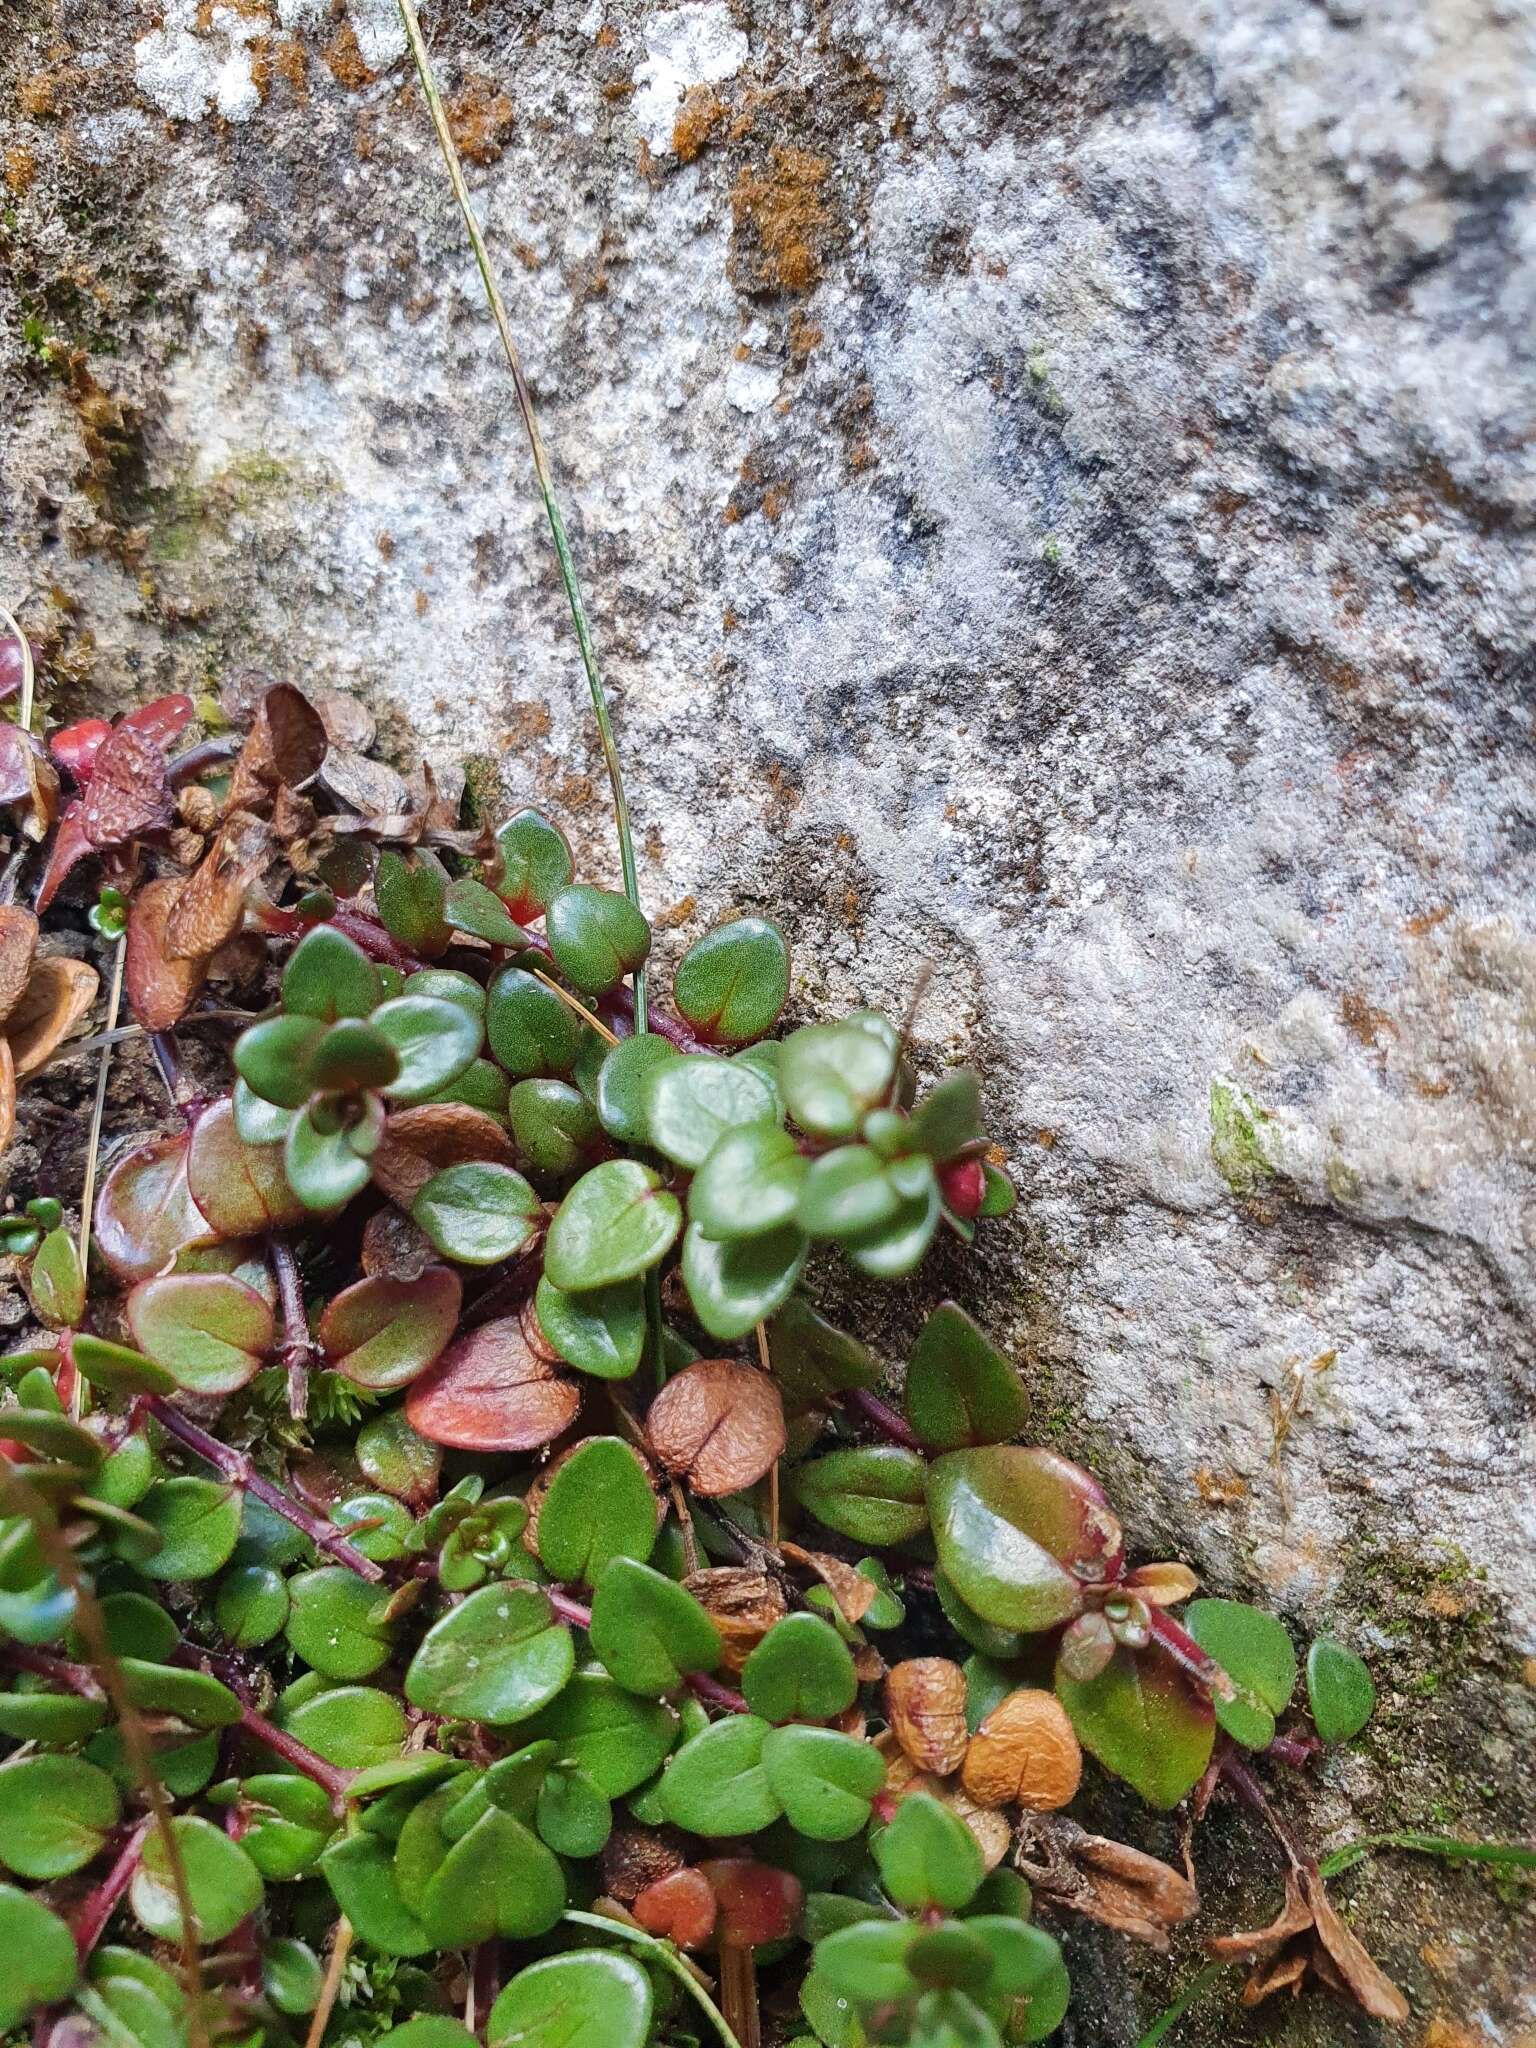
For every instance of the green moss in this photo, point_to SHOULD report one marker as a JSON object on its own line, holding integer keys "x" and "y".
{"x": 1238, "y": 1149}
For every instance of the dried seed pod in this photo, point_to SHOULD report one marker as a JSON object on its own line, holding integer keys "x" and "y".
{"x": 197, "y": 807}
{"x": 1025, "y": 1753}
{"x": 634, "y": 1858}
{"x": 680, "y": 1908}
{"x": 742, "y": 1603}
{"x": 719, "y": 1424}
{"x": 18, "y": 946}
{"x": 925, "y": 1700}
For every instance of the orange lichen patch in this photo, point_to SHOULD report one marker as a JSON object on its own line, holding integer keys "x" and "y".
{"x": 344, "y": 60}
{"x": 481, "y": 120}
{"x": 1219, "y": 1489}
{"x": 784, "y": 211}
{"x": 1419, "y": 927}
{"x": 699, "y": 116}
{"x": 527, "y": 721}
{"x": 861, "y": 457}
{"x": 775, "y": 498}
{"x": 618, "y": 89}
{"x": 675, "y": 914}
{"x": 422, "y": 601}
{"x": 1363, "y": 1023}
{"x": 606, "y": 36}
{"x": 20, "y": 170}
{"x": 385, "y": 543}
{"x": 38, "y": 96}
{"x": 804, "y": 335}
{"x": 288, "y": 63}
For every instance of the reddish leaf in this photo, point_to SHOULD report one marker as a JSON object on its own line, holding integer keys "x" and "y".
{"x": 159, "y": 985}
{"x": 383, "y": 1333}
{"x": 211, "y": 905}
{"x": 490, "y": 1392}
{"x": 59, "y": 991}
{"x": 678, "y": 1908}
{"x": 240, "y": 1188}
{"x": 145, "y": 1213}
{"x": 757, "y": 1903}
{"x": 128, "y": 794}
{"x": 75, "y": 747}
{"x": 11, "y": 664}
{"x": 161, "y": 719}
{"x": 208, "y": 1329}
{"x": 70, "y": 846}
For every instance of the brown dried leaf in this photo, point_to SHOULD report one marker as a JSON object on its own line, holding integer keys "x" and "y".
{"x": 1025, "y": 1753}
{"x": 127, "y": 795}
{"x": 451, "y": 1133}
{"x": 286, "y": 744}
{"x": 211, "y": 903}
{"x": 489, "y": 1392}
{"x": 347, "y": 720}
{"x": 1163, "y": 1585}
{"x": 853, "y": 1593}
{"x": 159, "y": 985}
{"x": 1107, "y": 1881}
{"x": 719, "y": 1423}
{"x": 18, "y": 944}
{"x": 743, "y": 1603}
{"x": 395, "y": 1248}
{"x": 634, "y": 1857}
{"x": 58, "y": 994}
{"x": 29, "y": 780}
{"x": 368, "y": 789}
{"x": 1307, "y": 1937}
{"x": 925, "y": 1702}
{"x": 868, "y": 1664}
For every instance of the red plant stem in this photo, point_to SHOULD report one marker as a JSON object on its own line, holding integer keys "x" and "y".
{"x": 1293, "y": 1750}
{"x": 485, "y": 1982}
{"x": 298, "y": 1345}
{"x": 884, "y": 1417}
{"x": 238, "y": 1469}
{"x": 79, "y": 1679}
{"x": 206, "y": 754}
{"x": 1189, "y": 1656}
{"x": 706, "y": 1688}
{"x": 1237, "y": 1777}
{"x": 98, "y": 1906}
{"x": 883, "y": 1807}
{"x": 327, "y": 1776}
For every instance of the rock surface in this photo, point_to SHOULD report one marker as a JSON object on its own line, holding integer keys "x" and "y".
{"x": 1054, "y": 485}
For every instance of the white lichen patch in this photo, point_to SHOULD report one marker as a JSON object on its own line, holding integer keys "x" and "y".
{"x": 693, "y": 45}
{"x": 189, "y": 75}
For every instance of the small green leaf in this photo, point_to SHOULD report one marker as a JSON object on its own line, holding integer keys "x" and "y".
{"x": 530, "y": 1030}
{"x": 928, "y": 1856}
{"x": 866, "y": 1962}
{"x": 433, "y": 1040}
{"x": 379, "y": 1527}
{"x": 873, "y": 1494}
{"x": 333, "y": 1624}
{"x": 117, "y": 1370}
{"x": 1339, "y": 1690}
{"x": 999, "y": 1197}
{"x": 351, "y": 1726}
{"x": 223, "y": 1884}
{"x": 446, "y": 985}
{"x": 39, "y": 1949}
{"x": 360, "y": 1872}
{"x": 554, "y": 1127}
{"x": 732, "y": 983}
{"x": 598, "y": 1727}
{"x": 55, "y": 1815}
{"x": 716, "y": 1784}
{"x": 258, "y": 1122}
{"x": 733, "y": 1286}
{"x": 328, "y": 976}
{"x": 614, "y": 1225}
{"x": 395, "y": 1458}
{"x": 814, "y": 1361}
{"x": 191, "y": 1696}
{"x": 601, "y": 1332}
{"x": 252, "y": 1605}
{"x": 591, "y": 2000}
{"x": 648, "y": 1631}
{"x": 470, "y": 907}
{"x": 291, "y": 1975}
{"x": 947, "y": 1118}
{"x": 382, "y": 1333}
{"x": 1143, "y": 1720}
{"x": 479, "y": 1212}
{"x": 210, "y": 1331}
{"x": 800, "y": 1671}
{"x": 823, "y": 1780}
{"x": 596, "y": 935}
{"x": 572, "y": 1816}
{"x": 623, "y": 1091}
{"x": 56, "y": 1283}
{"x": 1019, "y": 1531}
{"x": 960, "y": 1389}
{"x": 534, "y": 863}
{"x": 1256, "y": 1654}
{"x": 693, "y": 1102}
{"x": 273, "y": 1058}
{"x": 411, "y": 891}
{"x": 353, "y": 1055}
{"x": 498, "y": 1657}
{"x": 599, "y": 1506}
{"x": 322, "y": 1168}
{"x": 749, "y": 1183}
{"x": 198, "y": 1521}
{"x": 832, "y": 1074}
{"x": 49, "y": 1717}
{"x": 897, "y": 1247}
{"x": 847, "y": 1193}
{"x": 289, "y": 1822}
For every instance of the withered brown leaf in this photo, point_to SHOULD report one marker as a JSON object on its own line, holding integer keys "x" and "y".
{"x": 1025, "y": 1753}
{"x": 159, "y": 985}
{"x": 490, "y": 1392}
{"x": 925, "y": 1700}
{"x": 59, "y": 991}
{"x": 210, "y": 905}
{"x": 1107, "y": 1881}
{"x": 18, "y": 944}
{"x": 128, "y": 794}
{"x": 719, "y": 1423}
{"x": 420, "y": 1141}
{"x": 742, "y": 1602}
{"x": 852, "y": 1592}
{"x": 286, "y": 744}
{"x": 1308, "y": 1939}
{"x": 395, "y": 1248}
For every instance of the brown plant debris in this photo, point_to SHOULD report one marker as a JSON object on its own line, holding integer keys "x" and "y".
{"x": 1307, "y": 1939}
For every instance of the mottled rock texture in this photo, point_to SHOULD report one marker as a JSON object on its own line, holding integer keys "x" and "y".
{"x": 1055, "y": 486}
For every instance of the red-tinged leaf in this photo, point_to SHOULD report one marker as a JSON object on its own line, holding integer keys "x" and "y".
{"x": 18, "y": 948}
{"x": 491, "y": 1392}
{"x": 29, "y": 780}
{"x": 159, "y": 986}
{"x": 75, "y": 747}
{"x": 70, "y": 847}
{"x": 720, "y": 1423}
{"x": 161, "y": 719}
{"x": 756, "y": 1902}
{"x": 679, "y": 1908}
{"x": 1020, "y": 1532}
{"x": 11, "y": 664}
{"x": 211, "y": 905}
{"x": 385, "y": 1333}
{"x": 209, "y": 1329}
{"x": 59, "y": 991}
{"x": 240, "y": 1188}
{"x": 128, "y": 794}
{"x": 145, "y": 1213}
